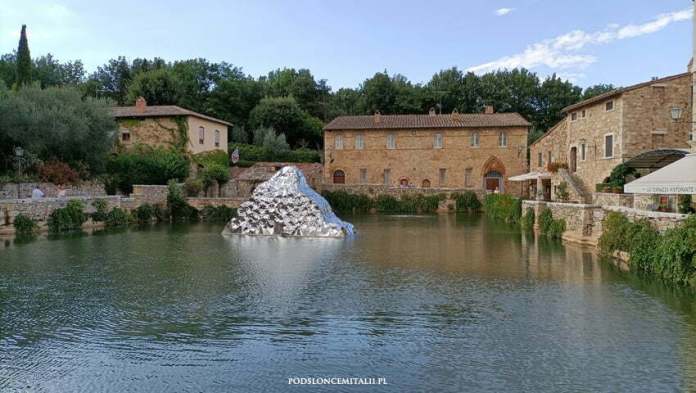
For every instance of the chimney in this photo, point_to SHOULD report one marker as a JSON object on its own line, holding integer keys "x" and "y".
{"x": 455, "y": 115}
{"x": 488, "y": 109}
{"x": 140, "y": 105}
{"x": 431, "y": 112}
{"x": 378, "y": 117}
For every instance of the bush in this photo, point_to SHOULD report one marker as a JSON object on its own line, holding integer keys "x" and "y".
{"x": 670, "y": 256}
{"x": 179, "y": 209}
{"x": 193, "y": 187}
{"x": 117, "y": 218}
{"x": 143, "y": 214}
{"x": 545, "y": 221}
{"x": 219, "y": 214}
{"x": 620, "y": 175}
{"x": 100, "y": 206}
{"x": 209, "y": 158}
{"x": 146, "y": 165}
{"x": 468, "y": 201}
{"x": 214, "y": 173}
{"x": 68, "y": 218}
{"x": 685, "y": 204}
{"x": 503, "y": 207}
{"x": 344, "y": 202}
{"x": 556, "y": 229}
{"x": 57, "y": 172}
{"x": 250, "y": 153}
{"x": 527, "y": 221}
{"x": 562, "y": 191}
{"x": 25, "y": 226}
{"x": 387, "y": 204}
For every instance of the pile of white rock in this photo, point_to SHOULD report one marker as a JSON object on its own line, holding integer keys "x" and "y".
{"x": 285, "y": 205}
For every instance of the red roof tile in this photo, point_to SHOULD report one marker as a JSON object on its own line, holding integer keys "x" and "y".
{"x": 160, "y": 111}
{"x": 462, "y": 120}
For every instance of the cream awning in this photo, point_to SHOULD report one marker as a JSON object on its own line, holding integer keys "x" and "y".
{"x": 678, "y": 177}
{"x": 531, "y": 176}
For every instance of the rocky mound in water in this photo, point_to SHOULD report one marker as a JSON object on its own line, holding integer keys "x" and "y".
{"x": 286, "y": 205}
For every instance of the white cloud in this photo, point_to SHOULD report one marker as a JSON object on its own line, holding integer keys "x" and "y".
{"x": 561, "y": 52}
{"x": 503, "y": 11}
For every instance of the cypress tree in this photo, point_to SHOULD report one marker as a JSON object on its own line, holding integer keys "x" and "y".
{"x": 23, "y": 60}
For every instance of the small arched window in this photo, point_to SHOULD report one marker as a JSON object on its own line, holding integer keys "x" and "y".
{"x": 502, "y": 139}
{"x": 339, "y": 177}
{"x": 426, "y": 183}
{"x": 201, "y": 135}
{"x": 474, "y": 139}
{"x": 217, "y": 138}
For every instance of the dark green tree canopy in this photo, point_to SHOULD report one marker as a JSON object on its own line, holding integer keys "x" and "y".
{"x": 23, "y": 59}
{"x": 158, "y": 87}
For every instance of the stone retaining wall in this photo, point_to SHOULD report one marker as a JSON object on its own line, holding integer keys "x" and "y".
{"x": 661, "y": 221}
{"x": 50, "y": 190}
{"x": 152, "y": 194}
{"x": 374, "y": 190}
{"x": 608, "y": 199}
{"x": 200, "y": 203}
{"x": 39, "y": 210}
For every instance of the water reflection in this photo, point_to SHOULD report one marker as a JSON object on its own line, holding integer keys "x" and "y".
{"x": 439, "y": 303}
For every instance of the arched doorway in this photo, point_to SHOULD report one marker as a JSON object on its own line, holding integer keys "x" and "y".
{"x": 493, "y": 181}
{"x": 426, "y": 183}
{"x": 493, "y": 175}
{"x": 403, "y": 182}
{"x": 573, "y": 166}
{"x": 339, "y": 177}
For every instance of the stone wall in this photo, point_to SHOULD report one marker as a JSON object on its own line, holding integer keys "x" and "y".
{"x": 661, "y": 221}
{"x": 374, "y": 190}
{"x": 152, "y": 194}
{"x": 39, "y": 210}
{"x": 608, "y": 199}
{"x": 50, "y": 190}
{"x": 200, "y": 203}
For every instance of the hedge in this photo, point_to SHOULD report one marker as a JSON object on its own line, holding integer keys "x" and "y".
{"x": 503, "y": 207}
{"x": 254, "y": 153}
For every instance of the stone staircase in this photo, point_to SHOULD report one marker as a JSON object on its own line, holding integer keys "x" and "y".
{"x": 576, "y": 186}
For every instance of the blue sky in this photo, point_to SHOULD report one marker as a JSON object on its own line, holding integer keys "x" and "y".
{"x": 590, "y": 41}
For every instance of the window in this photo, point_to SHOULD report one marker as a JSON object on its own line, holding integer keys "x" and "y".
{"x": 391, "y": 141}
{"x": 437, "y": 143}
{"x": 387, "y": 177}
{"x": 359, "y": 142}
{"x": 573, "y": 116}
{"x": 426, "y": 183}
{"x": 217, "y": 138}
{"x": 338, "y": 142}
{"x": 691, "y": 136}
{"x": 609, "y": 106}
{"x": 540, "y": 159}
{"x": 583, "y": 113}
{"x": 443, "y": 177}
{"x": 467, "y": 177}
{"x": 609, "y": 146}
{"x": 550, "y": 158}
{"x": 363, "y": 175}
{"x": 676, "y": 113}
{"x": 583, "y": 151}
{"x": 339, "y": 177}
{"x": 502, "y": 139}
{"x": 474, "y": 139}
{"x": 125, "y": 135}
{"x": 201, "y": 135}
{"x": 658, "y": 139}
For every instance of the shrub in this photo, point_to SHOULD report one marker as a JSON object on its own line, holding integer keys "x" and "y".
{"x": 219, "y": 214}
{"x": 556, "y": 229}
{"x": 614, "y": 230}
{"x": 545, "y": 221}
{"x": 25, "y": 226}
{"x": 143, "y": 214}
{"x": 503, "y": 207}
{"x": 67, "y": 218}
{"x": 620, "y": 175}
{"x": 344, "y": 202}
{"x": 562, "y": 191}
{"x": 193, "y": 187}
{"x": 214, "y": 157}
{"x": 146, "y": 165}
{"x": 57, "y": 172}
{"x": 117, "y": 218}
{"x": 685, "y": 204}
{"x": 179, "y": 209}
{"x": 100, "y": 213}
{"x": 527, "y": 221}
{"x": 214, "y": 173}
{"x": 387, "y": 204}
{"x": 468, "y": 201}
{"x": 249, "y": 154}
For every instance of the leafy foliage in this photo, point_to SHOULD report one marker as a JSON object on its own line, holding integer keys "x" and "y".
{"x": 503, "y": 207}
{"x": 144, "y": 213}
{"x": 23, "y": 60}
{"x": 117, "y": 218}
{"x": 145, "y": 165}
{"x": 67, "y": 218}
{"x": 158, "y": 87}
{"x": 25, "y": 226}
{"x": 344, "y": 202}
{"x": 193, "y": 187}
{"x": 100, "y": 213}
{"x": 57, "y": 172}
{"x": 620, "y": 175}
{"x": 685, "y": 204}
{"x": 217, "y": 214}
{"x": 527, "y": 221}
{"x": 255, "y": 153}
{"x": 549, "y": 226}
{"x": 179, "y": 209}
{"x": 467, "y": 201}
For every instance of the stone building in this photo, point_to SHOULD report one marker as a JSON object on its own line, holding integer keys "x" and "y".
{"x": 645, "y": 126}
{"x": 473, "y": 151}
{"x": 169, "y": 125}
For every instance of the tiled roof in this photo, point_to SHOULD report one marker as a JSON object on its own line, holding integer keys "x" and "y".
{"x": 616, "y": 92}
{"x": 463, "y": 120}
{"x": 160, "y": 111}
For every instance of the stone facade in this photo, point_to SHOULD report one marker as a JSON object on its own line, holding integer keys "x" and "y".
{"x": 638, "y": 119}
{"x": 416, "y": 160}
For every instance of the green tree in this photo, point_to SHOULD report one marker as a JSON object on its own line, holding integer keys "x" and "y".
{"x": 311, "y": 95}
{"x": 58, "y": 124}
{"x": 234, "y": 97}
{"x": 596, "y": 90}
{"x": 554, "y": 95}
{"x": 23, "y": 60}
{"x": 111, "y": 80}
{"x": 158, "y": 87}
{"x": 285, "y": 116}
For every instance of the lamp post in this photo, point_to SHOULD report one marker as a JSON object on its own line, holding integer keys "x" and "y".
{"x": 19, "y": 153}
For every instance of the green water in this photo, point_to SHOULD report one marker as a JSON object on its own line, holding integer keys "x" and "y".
{"x": 433, "y": 303}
